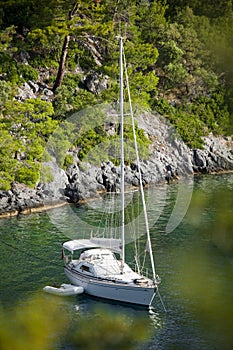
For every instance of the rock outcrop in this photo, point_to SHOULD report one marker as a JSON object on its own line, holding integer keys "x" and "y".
{"x": 21, "y": 199}
{"x": 216, "y": 156}
{"x": 32, "y": 90}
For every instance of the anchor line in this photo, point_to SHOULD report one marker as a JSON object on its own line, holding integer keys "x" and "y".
{"x": 27, "y": 253}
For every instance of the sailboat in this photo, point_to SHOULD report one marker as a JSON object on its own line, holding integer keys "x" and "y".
{"x": 98, "y": 264}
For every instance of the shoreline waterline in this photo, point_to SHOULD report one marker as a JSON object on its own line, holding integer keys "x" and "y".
{"x": 57, "y": 204}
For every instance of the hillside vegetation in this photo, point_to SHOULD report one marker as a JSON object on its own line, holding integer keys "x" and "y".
{"x": 179, "y": 56}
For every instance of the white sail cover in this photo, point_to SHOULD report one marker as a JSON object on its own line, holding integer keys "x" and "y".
{"x": 78, "y": 244}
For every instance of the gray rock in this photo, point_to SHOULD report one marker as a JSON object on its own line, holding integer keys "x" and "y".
{"x": 34, "y": 86}
{"x": 96, "y": 82}
{"x": 47, "y": 94}
{"x": 216, "y": 156}
{"x": 18, "y": 199}
{"x": 55, "y": 189}
{"x": 32, "y": 89}
{"x": 25, "y": 92}
{"x": 44, "y": 74}
{"x": 23, "y": 57}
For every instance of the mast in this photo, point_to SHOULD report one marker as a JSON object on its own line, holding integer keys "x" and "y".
{"x": 122, "y": 156}
{"x": 140, "y": 176}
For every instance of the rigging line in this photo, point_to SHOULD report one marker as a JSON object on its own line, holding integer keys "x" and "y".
{"x": 100, "y": 230}
{"x": 122, "y": 155}
{"x": 109, "y": 271}
{"x": 26, "y": 253}
{"x": 137, "y": 242}
{"x": 161, "y": 300}
{"x": 104, "y": 218}
{"x": 115, "y": 216}
{"x": 134, "y": 229}
{"x": 139, "y": 170}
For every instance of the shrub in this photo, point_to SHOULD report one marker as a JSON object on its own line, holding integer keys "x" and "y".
{"x": 26, "y": 72}
{"x": 69, "y": 160}
{"x": 28, "y": 173}
{"x": 5, "y": 181}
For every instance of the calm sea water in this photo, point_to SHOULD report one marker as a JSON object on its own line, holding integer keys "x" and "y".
{"x": 194, "y": 261}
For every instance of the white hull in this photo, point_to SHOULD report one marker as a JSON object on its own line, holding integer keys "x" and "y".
{"x": 122, "y": 292}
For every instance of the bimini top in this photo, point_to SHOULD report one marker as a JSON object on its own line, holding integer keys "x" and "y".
{"x": 77, "y": 244}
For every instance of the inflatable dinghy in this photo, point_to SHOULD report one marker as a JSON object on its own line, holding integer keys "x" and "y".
{"x": 65, "y": 289}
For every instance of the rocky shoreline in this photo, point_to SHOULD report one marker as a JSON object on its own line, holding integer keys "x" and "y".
{"x": 170, "y": 159}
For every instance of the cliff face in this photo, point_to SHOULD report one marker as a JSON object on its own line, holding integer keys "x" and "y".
{"x": 170, "y": 159}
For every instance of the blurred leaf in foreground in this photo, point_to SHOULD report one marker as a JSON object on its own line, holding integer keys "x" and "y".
{"x": 41, "y": 324}
{"x": 105, "y": 330}
{"x": 34, "y": 325}
{"x": 205, "y": 270}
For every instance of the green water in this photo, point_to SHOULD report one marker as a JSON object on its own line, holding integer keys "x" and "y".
{"x": 194, "y": 262}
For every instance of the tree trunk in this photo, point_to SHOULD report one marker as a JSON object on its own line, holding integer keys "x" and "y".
{"x": 62, "y": 63}
{"x": 65, "y": 48}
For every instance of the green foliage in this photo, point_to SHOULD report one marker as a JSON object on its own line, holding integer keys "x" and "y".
{"x": 27, "y": 72}
{"x": 181, "y": 60}
{"x": 89, "y": 140}
{"x": 69, "y": 160}
{"x": 29, "y": 13}
{"x": 95, "y": 145}
{"x": 6, "y": 47}
{"x": 196, "y": 119}
{"x": 46, "y": 41}
{"x": 24, "y": 129}
{"x": 182, "y": 51}
{"x": 17, "y": 73}
{"x": 140, "y": 61}
{"x": 5, "y": 180}
{"x": 27, "y": 173}
{"x": 7, "y": 50}
{"x": 6, "y": 92}
{"x": 8, "y": 161}
{"x": 61, "y": 140}
{"x": 187, "y": 124}
{"x": 68, "y": 99}
{"x": 151, "y": 18}
{"x": 213, "y": 112}
{"x": 208, "y": 8}
{"x": 190, "y": 128}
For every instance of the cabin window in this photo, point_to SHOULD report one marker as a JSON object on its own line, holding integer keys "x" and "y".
{"x": 85, "y": 268}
